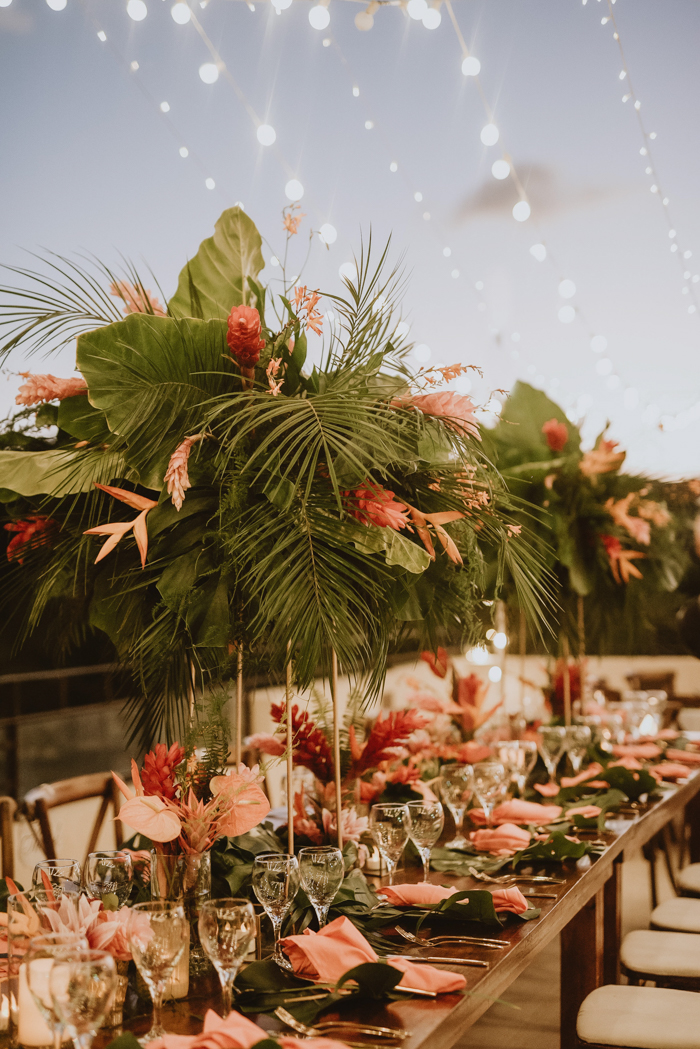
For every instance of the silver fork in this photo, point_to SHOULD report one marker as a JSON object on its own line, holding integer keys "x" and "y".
{"x": 510, "y": 879}
{"x": 336, "y": 1025}
{"x": 435, "y": 941}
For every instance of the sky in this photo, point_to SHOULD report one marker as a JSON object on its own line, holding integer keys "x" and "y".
{"x": 89, "y": 163}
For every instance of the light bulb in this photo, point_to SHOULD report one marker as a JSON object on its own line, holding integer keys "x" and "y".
{"x": 567, "y": 289}
{"x": 495, "y": 674}
{"x": 319, "y": 17}
{"x": 417, "y": 8}
{"x": 135, "y": 9}
{"x": 499, "y": 640}
{"x": 604, "y": 366}
{"x": 422, "y": 353}
{"x": 266, "y": 134}
{"x": 489, "y": 134}
{"x": 364, "y": 22}
{"x": 5, "y": 3}
{"x": 281, "y": 5}
{"x": 348, "y": 271}
{"x": 566, "y": 314}
{"x": 356, "y": 92}
{"x": 402, "y": 330}
{"x": 691, "y": 309}
{"x": 328, "y": 233}
{"x": 426, "y": 216}
{"x": 209, "y": 183}
{"x": 134, "y": 66}
{"x": 599, "y": 344}
{"x": 672, "y": 233}
{"x": 521, "y": 211}
{"x": 479, "y": 285}
{"x": 165, "y": 107}
{"x": 393, "y": 166}
{"x": 209, "y": 73}
{"x": 181, "y": 13}
{"x": 184, "y": 151}
{"x": 539, "y": 252}
{"x": 369, "y": 124}
{"x": 463, "y": 384}
{"x": 447, "y": 252}
{"x": 432, "y": 18}
{"x": 102, "y": 35}
{"x": 294, "y": 189}
{"x": 418, "y": 197}
{"x": 455, "y": 274}
{"x": 500, "y": 169}
{"x": 57, "y": 5}
{"x": 471, "y": 66}
{"x": 478, "y": 655}
{"x": 274, "y": 261}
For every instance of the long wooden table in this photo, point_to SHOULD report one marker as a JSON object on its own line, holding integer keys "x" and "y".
{"x": 586, "y": 915}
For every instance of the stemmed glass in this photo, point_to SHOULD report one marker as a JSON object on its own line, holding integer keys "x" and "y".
{"x": 456, "y": 787}
{"x": 519, "y": 757}
{"x": 38, "y": 962}
{"x": 226, "y": 931}
{"x": 552, "y": 745}
{"x": 63, "y": 875}
{"x": 321, "y": 870}
{"x": 109, "y": 874}
{"x": 427, "y": 821}
{"x": 275, "y": 883}
{"x": 491, "y": 780}
{"x": 157, "y": 933}
{"x": 389, "y": 825}
{"x": 578, "y": 739}
{"x": 82, "y": 987}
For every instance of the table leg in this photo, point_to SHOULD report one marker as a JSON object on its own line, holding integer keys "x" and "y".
{"x": 612, "y": 923}
{"x": 582, "y": 942}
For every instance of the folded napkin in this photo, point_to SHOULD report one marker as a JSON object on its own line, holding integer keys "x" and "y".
{"x": 547, "y": 790}
{"x": 671, "y": 770}
{"x": 626, "y": 763}
{"x": 423, "y": 895}
{"x": 593, "y": 770}
{"x": 235, "y": 1032}
{"x": 588, "y": 812}
{"x": 645, "y": 751}
{"x": 685, "y": 757}
{"x": 327, "y": 955}
{"x": 517, "y": 811}
{"x": 502, "y": 841}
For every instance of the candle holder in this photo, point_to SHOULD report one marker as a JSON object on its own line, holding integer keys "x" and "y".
{"x": 186, "y": 877}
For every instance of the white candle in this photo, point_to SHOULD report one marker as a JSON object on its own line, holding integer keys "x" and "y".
{"x": 33, "y": 1029}
{"x": 179, "y": 983}
{"x": 4, "y": 1013}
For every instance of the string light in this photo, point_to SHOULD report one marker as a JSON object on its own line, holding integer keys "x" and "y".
{"x": 489, "y": 135}
{"x": 567, "y": 289}
{"x": 57, "y": 5}
{"x": 539, "y": 252}
{"x": 328, "y": 234}
{"x": 500, "y": 169}
{"x": 521, "y": 211}
{"x": 294, "y": 190}
{"x": 209, "y": 73}
{"x": 432, "y": 17}
{"x": 266, "y": 134}
{"x": 135, "y": 9}
{"x": 319, "y": 16}
{"x": 417, "y": 9}
{"x": 471, "y": 66}
{"x": 181, "y": 13}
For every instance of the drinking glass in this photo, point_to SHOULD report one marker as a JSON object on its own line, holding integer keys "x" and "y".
{"x": 491, "y": 780}
{"x": 578, "y": 739}
{"x": 321, "y": 870}
{"x": 82, "y": 987}
{"x": 37, "y": 964}
{"x": 456, "y": 787}
{"x": 275, "y": 883}
{"x": 157, "y": 933}
{"x": 519, "y": 757}
{"x": 389, "y": 827}
{"x": 226, "y": 931}
{"x": 427, "y": 821}
{"x": 109, "y": 874}
{"x": 551, "y": 746}
{"x": 62, "y": 874}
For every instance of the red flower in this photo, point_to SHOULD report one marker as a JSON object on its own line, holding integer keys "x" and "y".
{"x": 556, "y": 434}
{"x": 439, "y": 665}
{"x": 243, "y": 336}
{"x": 373, "y": 504}
{"x": 35, "y": 531}
{"x": 387, "y": 734}
{"x": 311, "y": 749}
{"x": 556, "y": 695}
{"x": 158, "y": 772}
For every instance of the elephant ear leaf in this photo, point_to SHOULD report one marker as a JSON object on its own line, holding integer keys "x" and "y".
{"x": 216, "y": 278}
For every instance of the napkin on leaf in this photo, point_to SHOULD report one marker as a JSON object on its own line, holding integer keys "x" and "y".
{"x": 502, "y": 841}
{"x": 517, "y": 811}
{"x": 423, "y": 895}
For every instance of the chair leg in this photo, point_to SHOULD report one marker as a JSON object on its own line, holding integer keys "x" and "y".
{"x": 47, "y": 841}
{"x": 97, "y": 827}
{"x": 116, "y": 798}
{"x": 666, "y": 846}
{"x": 649, "y": 852}
{"x": 7, "y": 807}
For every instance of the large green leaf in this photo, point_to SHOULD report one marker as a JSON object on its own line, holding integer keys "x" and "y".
{"x": 401, "y": 551}
{"x": 529, "y": 409}
{"x": 56, "y": 472}
{"x": 80, "y": 419}
{"x": 215, "y": 279}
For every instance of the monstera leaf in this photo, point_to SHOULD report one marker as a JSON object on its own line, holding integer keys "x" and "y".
{"x": 216, "y": 278}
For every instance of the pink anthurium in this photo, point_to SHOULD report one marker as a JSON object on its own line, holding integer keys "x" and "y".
{"x": 152, "y": 817}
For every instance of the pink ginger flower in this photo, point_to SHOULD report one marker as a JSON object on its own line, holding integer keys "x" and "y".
{"x": 556, "y": 434}
{"x": 271, "y": 371}
{"x": 176, "y": 476}
{"x": 373, "y": 504}
{"x": 352, "y": 825}
{"x": 39, "y": 389}
{"x": 136, "y": 299}
{"x": 455, "y": 409}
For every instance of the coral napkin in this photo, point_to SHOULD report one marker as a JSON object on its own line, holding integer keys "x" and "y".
{"x": 423, "y": 895}
{"x": 645, "y": 751}
{"x": 593, "y": 770}
{"x": 236, "y": 1032}
{"x": 671, "y": 770}
{"x": 517, "y": 811}
{"x": 503, "y": 840}
{"x": 686, "y": 757}
{"x": 547, "y": 790}
{"x": 328, "y": 954}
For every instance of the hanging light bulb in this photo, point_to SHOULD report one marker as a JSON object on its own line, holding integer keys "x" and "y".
{"x": 294, "y": 189}
{"x": 521, "y": 211}
{"x": 489, "y": 134}
{"x": 539, "y": 252}
{"x": 364, "y": 20}
{"x": 471, "y": 66}
{"x": 319, "y": 16}
{"x": 432, "y": 17}
{"x": 209, "y": 73}
{"x": 328, "y": 234}
{"x": 500, "y": 169}
{"x": 567, "y": 289}
{"x": 136, "y": 9}
{"x": 416, "y": 9}
{"x": 266, "y": 134}
{"x": 180, "y": 13}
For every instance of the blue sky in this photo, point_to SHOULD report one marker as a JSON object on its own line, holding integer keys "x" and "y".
{"x": 90, "y": 163}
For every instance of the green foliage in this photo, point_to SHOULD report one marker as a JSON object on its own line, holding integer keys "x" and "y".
{"x": 207, "y": 740}
{"x": 631, "y": 783}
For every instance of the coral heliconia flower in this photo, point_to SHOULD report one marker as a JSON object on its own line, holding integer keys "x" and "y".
{"x": 40, "y": 388}
{"x": 266, "y": 744}
{"x": 621, "y": 560}
{"x": 136, "y": 299}
{"x": 439, "y": 663}
{"x": 373, "y": 504}
{"x": 639, "y": 529}
{"x": 243, "y": 336}
{"x": 456, "y": 410}
{"x": 158, "y": 772}
{"x": 556, "y": 434}
{"x": 177, "y": 477}
{"x": 34, "y": 531}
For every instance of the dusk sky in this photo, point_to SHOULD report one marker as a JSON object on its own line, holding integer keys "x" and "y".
{"x": 89, "y": 163}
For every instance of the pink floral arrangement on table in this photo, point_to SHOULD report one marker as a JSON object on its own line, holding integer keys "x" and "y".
{"x": 179, "y": 812}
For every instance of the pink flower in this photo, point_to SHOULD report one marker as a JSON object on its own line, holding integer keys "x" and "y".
{"x": 639, "y": 529}
{"x": 151, "y": 816}
{"x": 266, "y": 744}
{"x": 556, "y": 434}
{"x": 243, "y": 802}
{"x": 40, "y": 388}
{"x": 352, "y": 825}
{"x": 136, "y": 299}
{"x": 108, "y": 932}
{"x": 439, "y": 663}
{"x": 176, "y": 476}
{"x": 587, "y": 812}
{"x": 244, "y": 338}
{"x": 456, "y": 410}
{"x": 373, "y": 504}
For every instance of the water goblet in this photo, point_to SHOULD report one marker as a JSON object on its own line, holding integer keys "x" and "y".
{"x": 491, "y": 780}
{"x": 578, "y": 739}
{"x": 321, "y": 869}
{"x": 456, "y": 787}
{"x": 552, "y": 745}
{"x": 226, "y": 931}
{"x": 275, "y": 883}
{"x": 82, "y": 986}
{"x": 427, "y": 821}
{"x": 109, "y": 874}
{"x": 63, "y": 875}
{"x": 157, "y": 933}
{"x": 37, "y": 963}
{"x": 519, "y": 757}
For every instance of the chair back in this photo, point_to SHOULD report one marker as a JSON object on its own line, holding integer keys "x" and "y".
{"x": 39, "y": 801}
{"x": 8, "y": 807}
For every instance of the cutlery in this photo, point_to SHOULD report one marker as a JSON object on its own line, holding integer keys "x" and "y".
{"x": 541, "y": 895}
{"x": 436, "y": 941}
{"x": 509, "y": 879}
{"x": 334, "y": 1025}
{"x": 430, "y": 959}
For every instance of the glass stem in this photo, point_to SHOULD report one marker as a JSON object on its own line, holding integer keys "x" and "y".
{"x": 458, "y": 816}
{"x": 277, "y": 930}
{"x": 57, "y": 1036}
{"x": 227, "y": 979}
{"x": 321, "y": 914}
{"x": 157, "y": 994}
{"x": 425, "y": 856}
{"x": 391, "y": 864}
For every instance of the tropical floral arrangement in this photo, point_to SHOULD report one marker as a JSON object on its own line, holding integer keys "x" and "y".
{"x": 200, "y": 485}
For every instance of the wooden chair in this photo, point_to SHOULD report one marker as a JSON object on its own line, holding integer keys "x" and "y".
{"x": 632, "y": 1017}
{"x": 40, "y": 800}
{"x": 8, "y": 807}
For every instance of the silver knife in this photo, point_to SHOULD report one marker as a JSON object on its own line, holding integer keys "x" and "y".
{"x": 436, "y": 958}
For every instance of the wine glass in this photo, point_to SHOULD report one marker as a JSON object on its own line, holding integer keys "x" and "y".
{"x": 157, "y": 933}
{"x": 389, "y": 827}
{"x": 552, "y": 745}
{"x": 491, "y": 780}
{"x": 321, "y": 870}
{"x": 37, "y": 964}
{"x": 109, "y": 874}
{"x": 456, "y": 786}
{"x": 427, "y": 821}
{"x": 82, "y": 986}
{"x": 519, "y": 757}
{"x": 226, "y": 931}
{"x": 63, "y": 875}
{"x": 578, "y": 739}
{"x": 275, "y": 883}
